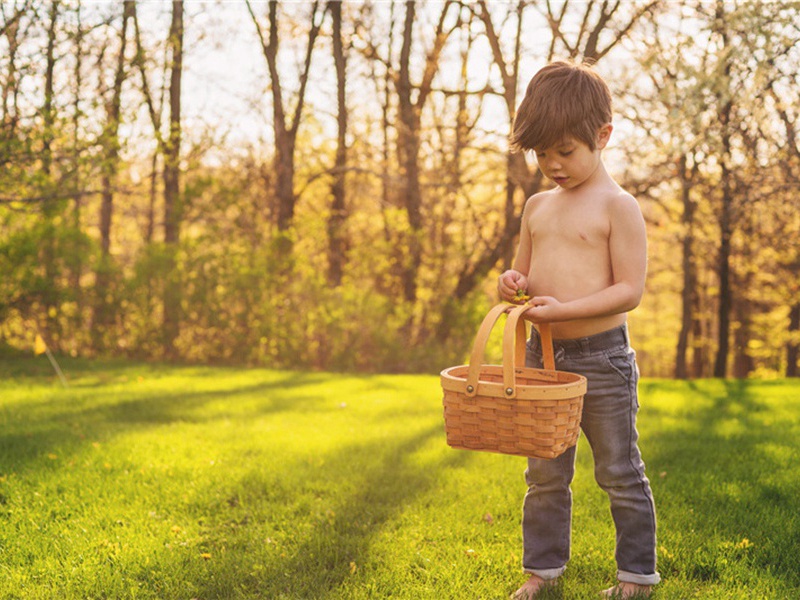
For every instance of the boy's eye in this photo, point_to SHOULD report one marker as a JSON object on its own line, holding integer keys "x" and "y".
{"x": 566, "y": 153}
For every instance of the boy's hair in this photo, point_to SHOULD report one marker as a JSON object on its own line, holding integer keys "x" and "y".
{"x": 562, "y": 99}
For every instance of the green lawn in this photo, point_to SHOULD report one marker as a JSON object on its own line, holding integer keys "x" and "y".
{"x": 143, "y": 481}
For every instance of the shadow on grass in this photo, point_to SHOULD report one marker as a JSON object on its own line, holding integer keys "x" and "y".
{"x": 326, "y": 547}
{"x": 725, "y": 484}
{"x": 358, "y": 491}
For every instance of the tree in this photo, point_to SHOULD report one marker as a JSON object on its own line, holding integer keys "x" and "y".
{"x": 285, "y": 132}
{"x": 749, "y": 42}
{"x": 173, "y": 206}
{"x": 706, "y": 120}
{"x": 337, "y": 239}
{"x": 597, "y": 21}
{"x": 676, "y": 158}
{"x": 787, "y": 222}
{"x": 103, "y": 306}
{"x": 518, "y": 174}
{"x": 48, "y": 135}
{"x": 408, "y": 138}
{"x": 10, "y": 29}
{"x": 687, "y": 175}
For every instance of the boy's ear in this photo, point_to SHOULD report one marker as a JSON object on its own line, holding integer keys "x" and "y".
{"x": 603, "y": 135}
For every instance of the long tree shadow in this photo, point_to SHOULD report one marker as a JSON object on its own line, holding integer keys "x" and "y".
{"x": 324, "y": 547}
{"x": 381, "y": 475}
{"x": 719, "y": 475}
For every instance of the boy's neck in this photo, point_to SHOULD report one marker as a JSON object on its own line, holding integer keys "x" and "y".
{"x": 599, "y": 178}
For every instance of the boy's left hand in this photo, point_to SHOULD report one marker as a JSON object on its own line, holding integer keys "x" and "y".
{"x": 544, "y": 309}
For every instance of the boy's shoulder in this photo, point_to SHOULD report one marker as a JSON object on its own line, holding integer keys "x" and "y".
{"x": 621, "y": 199}
{"x": 623, "y": 202}
{"x": 540, "y": 198}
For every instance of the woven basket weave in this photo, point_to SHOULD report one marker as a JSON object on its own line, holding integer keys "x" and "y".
{"x": 510, "y": 408}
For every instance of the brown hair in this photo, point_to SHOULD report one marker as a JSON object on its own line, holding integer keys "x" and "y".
{"x": 562, "y": 99}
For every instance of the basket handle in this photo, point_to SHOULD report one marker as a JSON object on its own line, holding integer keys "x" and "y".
{"x": 516, "y": 353}
{"x": 545, "y": 333}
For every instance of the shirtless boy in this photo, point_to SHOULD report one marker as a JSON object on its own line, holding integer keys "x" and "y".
{"x": 582, "y": 258}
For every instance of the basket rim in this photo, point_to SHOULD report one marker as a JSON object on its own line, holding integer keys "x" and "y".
{"x": 454, "y": 379}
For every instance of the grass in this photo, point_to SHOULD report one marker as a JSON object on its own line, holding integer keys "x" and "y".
{"x": 145, "y": 481}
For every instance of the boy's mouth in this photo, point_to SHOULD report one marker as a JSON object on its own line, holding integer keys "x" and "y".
{"x": 560, "y": 180}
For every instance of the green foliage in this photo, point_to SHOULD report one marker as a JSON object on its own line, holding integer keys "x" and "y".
{"x": 143, "y": 481}
{"x": 33, "y": 251}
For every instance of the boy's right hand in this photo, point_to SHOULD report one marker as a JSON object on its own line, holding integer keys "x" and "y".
{"x": 509, "y": 282}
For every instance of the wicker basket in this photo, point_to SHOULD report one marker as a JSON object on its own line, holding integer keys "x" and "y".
{"x": 512, "y": 409}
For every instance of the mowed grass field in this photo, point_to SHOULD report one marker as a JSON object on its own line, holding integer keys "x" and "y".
{"x": 146, "y": 481}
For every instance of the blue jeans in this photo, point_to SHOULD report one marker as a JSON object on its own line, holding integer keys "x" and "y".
{"x": 609, "y": 424}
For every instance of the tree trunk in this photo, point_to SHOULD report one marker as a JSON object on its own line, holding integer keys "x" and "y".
{"x": 725, "y": 220}
{"x": 724, "y": 275}
{"x": 77, "y": 258}
{"x": 155, "y": 119}
{"x": 742, "y": 361}
{"x": 337, "y": 245}
{"x": 285, "y": 133}
{"x": 698, "y": 338}
{"x": 104, "y": 308}
{"x": 792, "y": 346}
{"x": 172, "y": 201}
{"x": 48, "y": 113}
{"x": 689, "y": 283}
{"x": 408, "y": 154}
{"x": 10, "y": 114}
{"x": 50, "y": 295}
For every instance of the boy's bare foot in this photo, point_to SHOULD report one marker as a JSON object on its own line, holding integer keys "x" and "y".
{"x": 532, "y": 587}
{"x": 625, "y": 589}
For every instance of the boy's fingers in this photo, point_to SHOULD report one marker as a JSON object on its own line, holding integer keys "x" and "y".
{"x": 508, "y": 287}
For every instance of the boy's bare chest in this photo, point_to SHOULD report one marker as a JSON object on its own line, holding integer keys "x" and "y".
{"x": 578, "y": 226}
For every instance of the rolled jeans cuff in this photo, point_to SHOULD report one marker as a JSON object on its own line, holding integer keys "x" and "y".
{"x": 627, "y": 577}
{"x": 547, "y": 574}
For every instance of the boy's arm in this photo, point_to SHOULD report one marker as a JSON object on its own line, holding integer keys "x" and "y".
{"x": 517, "y": 277}
{"x": 628, "y": 255}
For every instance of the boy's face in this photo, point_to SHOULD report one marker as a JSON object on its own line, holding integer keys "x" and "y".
{"x": 571, "y": 162}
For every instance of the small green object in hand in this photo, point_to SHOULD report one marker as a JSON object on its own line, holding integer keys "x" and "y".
{"x": 521, "y": 296}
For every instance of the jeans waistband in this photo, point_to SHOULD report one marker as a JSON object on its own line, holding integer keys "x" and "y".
{"x": 605, "y": 340}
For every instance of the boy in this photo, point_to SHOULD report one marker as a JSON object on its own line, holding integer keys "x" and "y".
{"x": 582, "y": 259}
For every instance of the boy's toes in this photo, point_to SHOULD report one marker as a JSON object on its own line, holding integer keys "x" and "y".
{"x": 624, "y": 590}
{"x": 532, "y": 587}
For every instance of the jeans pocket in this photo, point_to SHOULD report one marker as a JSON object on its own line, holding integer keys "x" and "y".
{"x": 622, "y": 363}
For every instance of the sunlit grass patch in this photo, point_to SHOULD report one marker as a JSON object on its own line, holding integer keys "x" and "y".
{"x": 144, "y": 481}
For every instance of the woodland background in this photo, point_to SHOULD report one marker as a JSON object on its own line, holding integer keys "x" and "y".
{"x": 352, "y": 209}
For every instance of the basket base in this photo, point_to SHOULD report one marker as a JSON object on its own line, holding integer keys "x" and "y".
{"x": 528, "y": 428}
{"x": 513, "y": 448}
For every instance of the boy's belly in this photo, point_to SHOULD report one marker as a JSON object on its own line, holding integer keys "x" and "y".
{"x": 567, "y": 276}
{"x": 568, "y": 330}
